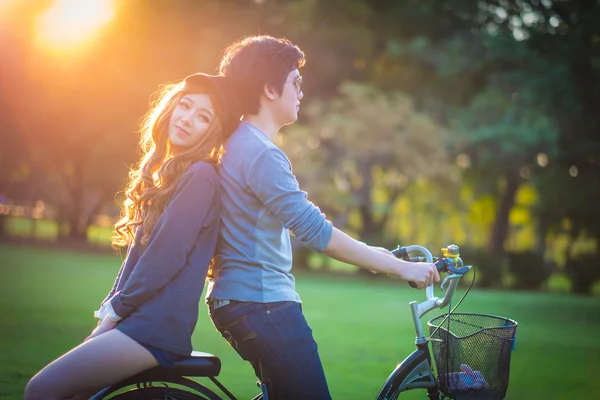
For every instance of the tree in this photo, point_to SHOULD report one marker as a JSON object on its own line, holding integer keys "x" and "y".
{"x": 566, "y": 33}
{"x": 73, "y": 115}
{"x": 507, "y": 125}
{"x": 361, "y": 150}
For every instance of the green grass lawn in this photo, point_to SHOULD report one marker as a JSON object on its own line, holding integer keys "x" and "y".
{"x": 362, "y": 326}
{"x": 43, "y": 229}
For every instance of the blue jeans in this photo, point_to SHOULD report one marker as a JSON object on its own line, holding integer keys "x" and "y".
{"x": 276, "y": 339}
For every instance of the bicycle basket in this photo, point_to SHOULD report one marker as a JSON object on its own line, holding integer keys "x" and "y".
{"x": 472, "y": 354}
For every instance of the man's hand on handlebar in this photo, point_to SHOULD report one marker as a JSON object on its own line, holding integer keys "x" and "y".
{"x": 423, "y": 274}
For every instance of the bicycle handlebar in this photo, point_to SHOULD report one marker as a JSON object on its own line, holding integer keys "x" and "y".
{"x": 450, "y": 263}
{"x": 404, "y": 253}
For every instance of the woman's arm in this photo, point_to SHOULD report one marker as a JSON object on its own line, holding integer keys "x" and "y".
{"x": 119, "y": 274}
{"x": 101, "y": 312}
{"x": 117, "y": 280}
{"x": 171, "y": 239}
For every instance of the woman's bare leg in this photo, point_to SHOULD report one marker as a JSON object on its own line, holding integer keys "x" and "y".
{"x": 94, "y": 364}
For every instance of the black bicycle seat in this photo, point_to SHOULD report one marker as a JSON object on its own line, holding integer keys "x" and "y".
{"x": 197, "y": 364}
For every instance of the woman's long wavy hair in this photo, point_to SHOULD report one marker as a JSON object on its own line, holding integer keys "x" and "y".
{"x": 152, "y": 181}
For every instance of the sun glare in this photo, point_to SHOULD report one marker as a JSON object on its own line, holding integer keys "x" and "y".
{"x": 4, "y": 4}
{"x": 69, "y": 23}
{"x": 6, "y": 7}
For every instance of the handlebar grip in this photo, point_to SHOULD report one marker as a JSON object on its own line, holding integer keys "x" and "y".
{"x": 441, "y": 265}
{"x": 400, "y": 252}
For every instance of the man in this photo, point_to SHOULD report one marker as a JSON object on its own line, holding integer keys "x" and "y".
{"x": 252, "y": 298}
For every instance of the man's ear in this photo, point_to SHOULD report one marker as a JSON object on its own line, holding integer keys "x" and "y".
{"x": 270, "y": 92}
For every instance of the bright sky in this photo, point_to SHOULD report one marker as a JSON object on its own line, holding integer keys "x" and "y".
{"x": 70, "y": 23}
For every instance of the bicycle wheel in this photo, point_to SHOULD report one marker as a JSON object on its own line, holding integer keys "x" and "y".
{"x": 166, "y": 393}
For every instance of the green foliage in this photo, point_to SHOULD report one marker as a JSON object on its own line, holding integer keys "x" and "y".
{"x": 502, "y": 130}
{"x": 583, "y": 270}
{"x": 507, "y": 80}
{"x": 361, "y": 150}
{"x": 493, "y": 94}
{"x": 488, "y": 266}
{"x": 530, "y": 269}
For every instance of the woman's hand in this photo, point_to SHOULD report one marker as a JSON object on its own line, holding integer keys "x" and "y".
{"x": 103, "y": 326}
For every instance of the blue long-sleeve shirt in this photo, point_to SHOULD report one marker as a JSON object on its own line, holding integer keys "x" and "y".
{"x": 157, "y": 290}
{"x": 261, "y": 204}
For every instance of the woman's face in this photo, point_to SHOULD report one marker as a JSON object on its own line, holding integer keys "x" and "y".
{"x": 190, "y": 120}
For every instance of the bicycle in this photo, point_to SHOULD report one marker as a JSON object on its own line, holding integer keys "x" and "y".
{"x": 462, "y": 373}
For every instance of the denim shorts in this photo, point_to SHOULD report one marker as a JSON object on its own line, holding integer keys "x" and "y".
{"x": 165, "y": 358}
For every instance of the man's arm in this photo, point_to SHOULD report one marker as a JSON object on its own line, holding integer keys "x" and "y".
{"x": 273, "y": 182}
{"x": 346, "y": 249}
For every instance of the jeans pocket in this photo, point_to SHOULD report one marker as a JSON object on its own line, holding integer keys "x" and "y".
{"x": 229, "y": 315}
{"x": 232, "y": 321}
{"x": 279, "y": 305}
{"x": 237, "y": 332}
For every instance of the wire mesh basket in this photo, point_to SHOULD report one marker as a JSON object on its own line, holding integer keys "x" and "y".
{"x": 472, "y": 354}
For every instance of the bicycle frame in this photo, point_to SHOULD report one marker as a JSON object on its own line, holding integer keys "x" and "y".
{"x": 416, "y": 371}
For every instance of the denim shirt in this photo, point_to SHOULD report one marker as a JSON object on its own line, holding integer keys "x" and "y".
{"x": 261, "y": 205}
{"x": 157, "y": 290}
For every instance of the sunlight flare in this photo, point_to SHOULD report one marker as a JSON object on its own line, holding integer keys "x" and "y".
{"x": 70, "y": 23}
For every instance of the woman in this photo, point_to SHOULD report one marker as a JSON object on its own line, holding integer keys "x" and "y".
{"x": 170, "y": 223}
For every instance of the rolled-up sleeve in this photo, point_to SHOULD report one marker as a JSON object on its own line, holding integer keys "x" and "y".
{"x": 271, "y": 179}
{"x": 172, "y": 238}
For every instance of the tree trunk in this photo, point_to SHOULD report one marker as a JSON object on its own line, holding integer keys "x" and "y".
{"x": 542, "y": 232}
{"x": 501, "y": 223}
{"x": 76, "y": 229}
{"x": 3, "y": 233}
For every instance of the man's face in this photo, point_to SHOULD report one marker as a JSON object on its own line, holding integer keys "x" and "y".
{"x": 287, "y": 105}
